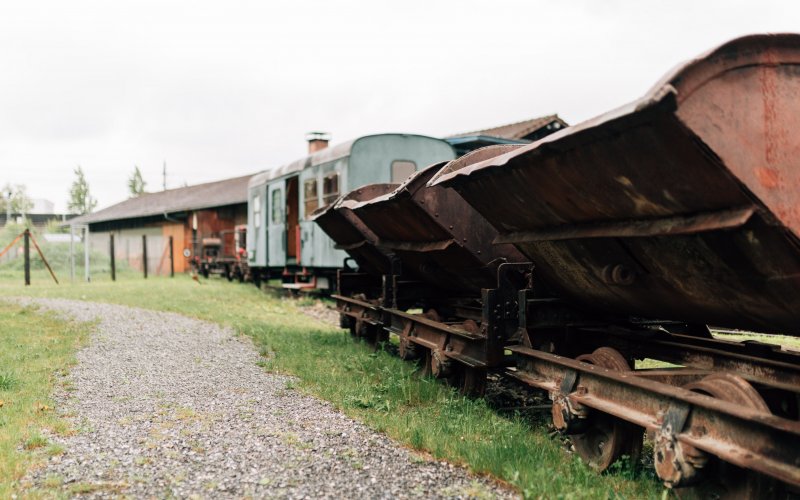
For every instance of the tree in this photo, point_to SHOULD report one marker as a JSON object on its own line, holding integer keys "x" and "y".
{"x": 80, "y": 200}
{"x": 136, "y": 183}
{"x": 20, "y": 203}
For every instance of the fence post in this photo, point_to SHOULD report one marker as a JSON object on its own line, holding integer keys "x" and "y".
{"x": 171, "y": 259}
{"x": 71, "y": 252}
{"x": 144, "y": 255}
{"x": 113, "y": 260}
{"x": 86, "y": 247}
{"x": 27, "y": 257}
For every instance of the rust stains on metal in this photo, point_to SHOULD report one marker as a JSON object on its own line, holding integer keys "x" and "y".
{"x": 663, "y": 187}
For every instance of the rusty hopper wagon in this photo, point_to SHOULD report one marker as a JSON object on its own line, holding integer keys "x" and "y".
{"x": 622, "y": 238}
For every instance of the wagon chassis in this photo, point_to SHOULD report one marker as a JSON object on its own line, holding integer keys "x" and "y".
{"x": 730, "y": 411}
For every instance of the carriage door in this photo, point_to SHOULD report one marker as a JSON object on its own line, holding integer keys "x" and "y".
{"x": 275, "y": 222}
{"x": 292, "y": 220}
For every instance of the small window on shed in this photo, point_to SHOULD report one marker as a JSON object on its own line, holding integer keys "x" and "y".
{"x": 330, "y": 188}
{"x": 257, "y": 211}
{"x": 310, "y": 196}
{"x": 402, "y": 169}
{"x": 277, "y": 206}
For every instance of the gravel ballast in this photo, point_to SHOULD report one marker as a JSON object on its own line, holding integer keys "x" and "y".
{"x": 167, "y": 406}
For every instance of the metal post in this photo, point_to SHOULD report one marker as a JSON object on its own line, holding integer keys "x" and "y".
{"x": 8, "y": 207}
{"x": 171, "y": 259}
{"x": 86, "y": 275}
{"x": 144, "y": 255}
{"x": 27, "y": 257}
{"x": 71, "y": 252}
{"x": 113, "y": 260}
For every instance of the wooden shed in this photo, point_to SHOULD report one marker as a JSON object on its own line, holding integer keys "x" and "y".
{"x": 186, "y": 214}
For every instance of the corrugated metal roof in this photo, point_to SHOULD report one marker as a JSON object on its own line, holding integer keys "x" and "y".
{"x": 514, "y": 131}
{"x": 208, "y": 195}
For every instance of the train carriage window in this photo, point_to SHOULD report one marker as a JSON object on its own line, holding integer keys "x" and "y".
{"x": 310, "y": 196}
{"x": 257, "y": 211}
{"x": 401, "y": 169}
{"x": 277, "y": 206}
{"x": 330, "y": 188}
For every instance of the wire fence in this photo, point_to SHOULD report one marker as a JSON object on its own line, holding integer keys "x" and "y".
{"x": 67, "y": 254}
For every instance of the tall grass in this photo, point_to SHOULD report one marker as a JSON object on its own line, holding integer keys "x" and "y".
{"x": 32, "y": 348}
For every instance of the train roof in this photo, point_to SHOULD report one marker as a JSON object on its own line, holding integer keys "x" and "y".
{"x": 326, "y": 155}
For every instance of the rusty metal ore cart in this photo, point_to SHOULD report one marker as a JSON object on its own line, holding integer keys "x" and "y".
{"x": 622, "y": 239}
{"x": 684, "y": 206}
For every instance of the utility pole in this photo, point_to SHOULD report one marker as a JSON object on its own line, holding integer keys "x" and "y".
{"x": 164, "y": 175}
{"x": 8, "y": 207}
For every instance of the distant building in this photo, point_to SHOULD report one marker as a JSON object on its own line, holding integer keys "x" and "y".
{"x": 38, "y": 220}
{"x": 41, "y": 206}
{"x": 514, "y": 133}
{"x": 187, "y": 214}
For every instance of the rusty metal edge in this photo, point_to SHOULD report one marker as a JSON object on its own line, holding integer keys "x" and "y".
{"x": 636, "y": 228}
{"x": 662, "y": 93}
{"x": 730, "y": 447}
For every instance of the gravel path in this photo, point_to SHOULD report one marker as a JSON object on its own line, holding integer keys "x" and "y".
{"x": 170, "y": 406}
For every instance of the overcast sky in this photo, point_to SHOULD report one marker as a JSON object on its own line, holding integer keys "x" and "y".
{"x": 220, "y": 89}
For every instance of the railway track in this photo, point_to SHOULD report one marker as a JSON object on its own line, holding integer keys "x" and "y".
{"x": 560, "y": 263}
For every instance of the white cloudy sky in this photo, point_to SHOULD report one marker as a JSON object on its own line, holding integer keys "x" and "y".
{"x": 219, "y": 89}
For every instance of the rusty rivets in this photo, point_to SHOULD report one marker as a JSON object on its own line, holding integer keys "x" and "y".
{"x": 568, "y": 418}
{"x": 618, "y": 274}
{"x": 676, "y": 463}
{"x": 441, "y": 365}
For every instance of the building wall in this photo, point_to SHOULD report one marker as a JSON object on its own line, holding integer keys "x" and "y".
{"x": 217, "y": 222}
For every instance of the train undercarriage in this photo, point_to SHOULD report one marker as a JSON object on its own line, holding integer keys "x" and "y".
{"x": 718, "y": 410}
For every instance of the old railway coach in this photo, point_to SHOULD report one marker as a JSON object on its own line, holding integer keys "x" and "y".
{"x": 285, "y": 242}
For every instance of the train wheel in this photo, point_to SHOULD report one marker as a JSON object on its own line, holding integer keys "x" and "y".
{"x": 432, "y": 315}
{"x": 407, "y": 350}
{"x": 375, "y": 335}
{"x": 425, "y": 367}
{"x": 607, "y": 438}
{"x": 470, "y": 382}
{"x": 733, "y": 481}
{"x": 228, "y": 273}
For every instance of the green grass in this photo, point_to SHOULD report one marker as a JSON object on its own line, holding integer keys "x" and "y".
{"x": 781, "y": 340}
{"x": 33, "y": 347}
{"x": 376, "y": 388}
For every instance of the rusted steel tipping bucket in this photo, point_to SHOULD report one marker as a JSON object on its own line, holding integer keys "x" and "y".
{"x": 682, "y": 205}
{"x": 350, "y": 234}
{"x": 436, "y": 235}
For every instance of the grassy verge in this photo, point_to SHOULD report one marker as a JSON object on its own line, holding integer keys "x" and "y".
{"x": 376, "y": 388}
{"x": 33, "y": 347}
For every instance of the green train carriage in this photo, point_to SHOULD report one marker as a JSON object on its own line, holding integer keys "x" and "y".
{"x": 285, "y": 243}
